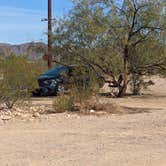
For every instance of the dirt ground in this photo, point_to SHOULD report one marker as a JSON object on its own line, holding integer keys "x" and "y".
{"x": 134, "y": 139}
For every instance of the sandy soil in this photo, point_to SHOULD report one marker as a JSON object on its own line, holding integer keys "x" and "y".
{"x": 135, "y": 139}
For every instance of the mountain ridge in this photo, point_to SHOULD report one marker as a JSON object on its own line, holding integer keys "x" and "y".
{"x": 33, "y": 50}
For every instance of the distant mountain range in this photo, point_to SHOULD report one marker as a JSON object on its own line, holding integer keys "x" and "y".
{"x": 32, "y": 50}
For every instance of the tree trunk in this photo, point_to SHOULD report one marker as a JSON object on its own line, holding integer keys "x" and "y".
{"x": 123, "y": 88}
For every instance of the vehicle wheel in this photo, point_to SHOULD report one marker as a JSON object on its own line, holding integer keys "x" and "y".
{"x": 36, "y": 93}
{"x": 43, "y": 92}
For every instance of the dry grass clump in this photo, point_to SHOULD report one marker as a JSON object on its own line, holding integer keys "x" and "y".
{"x": 74, "y": 101}
{"x": 63, "y": 103}
{"x": 84, "y": 101}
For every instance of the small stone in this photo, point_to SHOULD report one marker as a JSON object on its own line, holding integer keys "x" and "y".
{"x": 33, "y": 109}
{"x": 92, "y": 111}
{"x": 1, "y": 107}
{"x": 6, "y": 110}
{"x": 5, "y": 117}
{"x": 25, "y": 116}
{"x": 8, "y": 113}
{"x": 17, "y": 114}
{"x": 68, "y": 115}
{"x": 18, "y": 110}
{"x": 36, "y": 115}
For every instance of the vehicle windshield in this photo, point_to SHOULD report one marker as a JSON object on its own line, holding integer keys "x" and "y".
{"x": 56, "y": 71}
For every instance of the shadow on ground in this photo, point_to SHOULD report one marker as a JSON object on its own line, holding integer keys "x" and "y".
{"x": 136, "y": 110}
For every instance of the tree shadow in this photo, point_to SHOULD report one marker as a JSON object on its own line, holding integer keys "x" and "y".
{"x": 136, "y": 110}
{"x": 107, "y": 95}
{"x": 146, "y": 96}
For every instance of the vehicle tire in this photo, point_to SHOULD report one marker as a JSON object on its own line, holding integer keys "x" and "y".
{"x": 36, "y": 93}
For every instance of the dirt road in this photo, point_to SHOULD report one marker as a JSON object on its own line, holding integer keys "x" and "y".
{"x": 137, "y": 139}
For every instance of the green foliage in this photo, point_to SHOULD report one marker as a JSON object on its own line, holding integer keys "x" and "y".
{"x": 109, "y": 38}
{"x": 18, "y": 79}
{"x": 76, "y": 99}
{"x": 63, "y": 103}
{"x": 84, "y": 86}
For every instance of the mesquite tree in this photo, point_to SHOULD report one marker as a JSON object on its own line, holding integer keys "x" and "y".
{"x": 142, "y": 23}
{"x": 111, "y": 37}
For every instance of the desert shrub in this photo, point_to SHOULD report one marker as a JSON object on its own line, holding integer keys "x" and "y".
{"x": 83, "y": 84}
{"x": 18, "y": 80}
{"x": 80, "y": 95}
{"x": 63, "y": 103}
{"x": 75, "y": 100}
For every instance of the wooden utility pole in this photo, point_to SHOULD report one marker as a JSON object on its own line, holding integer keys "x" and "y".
{"x": 49, "y": 34}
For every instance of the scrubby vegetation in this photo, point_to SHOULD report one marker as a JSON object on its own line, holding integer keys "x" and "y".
{"x": 79, "y": 94}
{"x": 18, "y": 79}
{"x": 63, "y": 103}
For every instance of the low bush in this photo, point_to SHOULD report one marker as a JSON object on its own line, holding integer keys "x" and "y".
{"x": 18, "y": 79}
{"x": 84, "y": 86}
{"x": 63, "y": 103}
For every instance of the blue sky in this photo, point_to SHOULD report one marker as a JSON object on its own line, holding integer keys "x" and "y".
{"x": 20, "y": 20}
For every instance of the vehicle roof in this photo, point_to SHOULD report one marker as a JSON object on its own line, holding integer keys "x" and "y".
{"x": 56, "y": 70}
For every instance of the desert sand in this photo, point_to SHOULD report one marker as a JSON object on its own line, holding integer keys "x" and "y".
{"x": 134, "y": 139}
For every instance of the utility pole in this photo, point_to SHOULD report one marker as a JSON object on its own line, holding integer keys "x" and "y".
{"x": 49, "y": 33}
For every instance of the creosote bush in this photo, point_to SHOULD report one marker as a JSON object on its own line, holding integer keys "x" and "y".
{"x": 63, "y": 103}
{"x": 78, "y": 97}
{"x": 18, "y": 79}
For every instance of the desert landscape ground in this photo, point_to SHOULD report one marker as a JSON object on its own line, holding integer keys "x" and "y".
{"x": 137, "y": 138}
